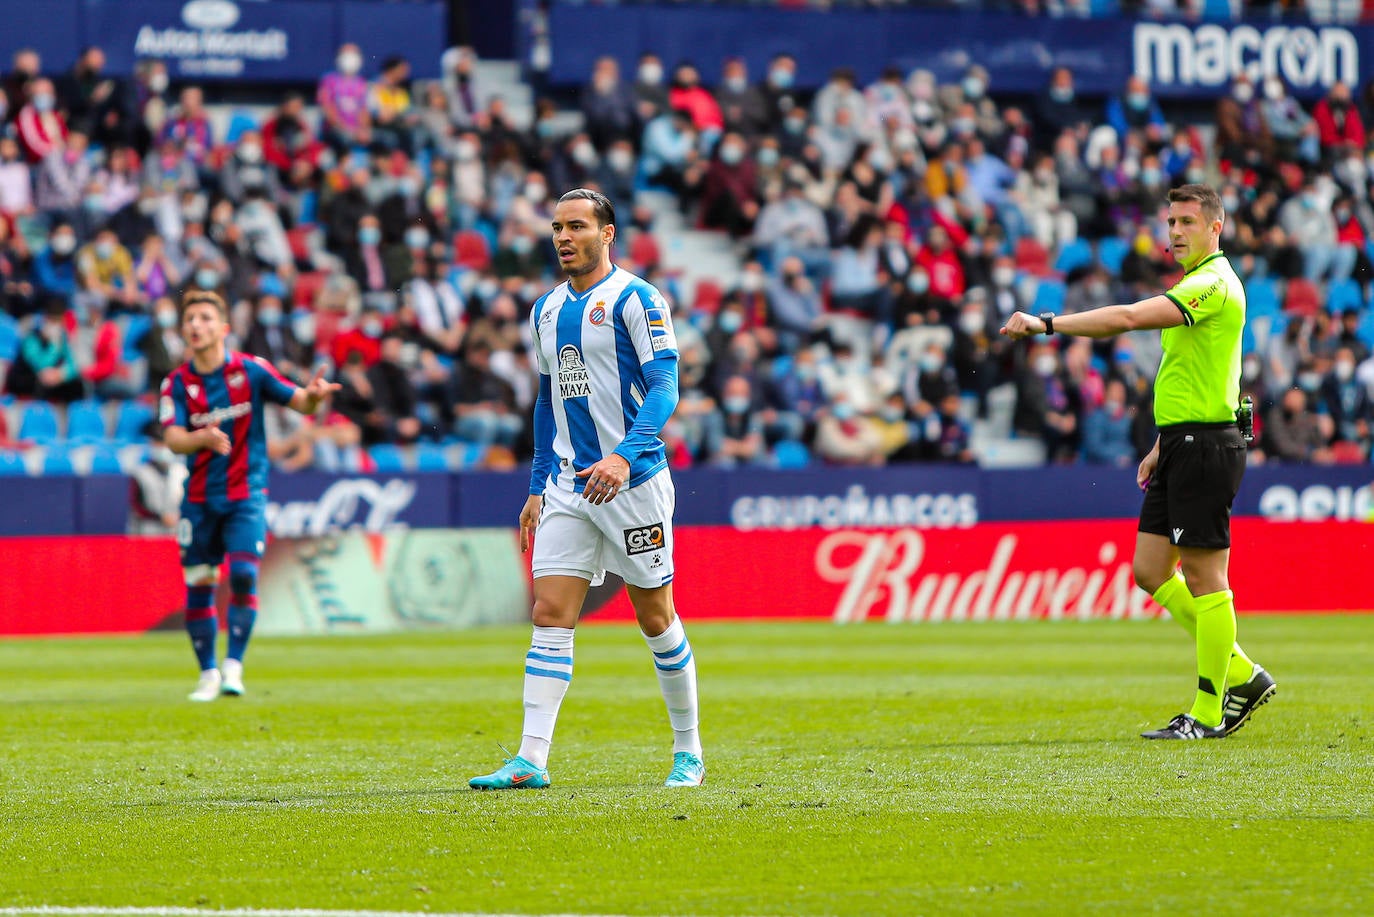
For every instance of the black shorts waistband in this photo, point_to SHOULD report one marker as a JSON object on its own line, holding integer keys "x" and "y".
{"x": 1198, "y": 427}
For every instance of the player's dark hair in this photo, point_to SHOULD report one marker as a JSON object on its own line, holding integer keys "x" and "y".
{"x": 198, "y": 297}
{"x": 1206, "y": 197}
{"x": 601, "y": 204}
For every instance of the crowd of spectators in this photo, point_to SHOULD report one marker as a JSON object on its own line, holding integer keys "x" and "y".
{"x": 396, "y": 232}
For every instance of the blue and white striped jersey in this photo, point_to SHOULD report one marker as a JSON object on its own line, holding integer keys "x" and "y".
{"x": 593, "y": 346}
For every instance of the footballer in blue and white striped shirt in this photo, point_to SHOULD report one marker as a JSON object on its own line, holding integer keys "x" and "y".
{"x": 601, "y": 497}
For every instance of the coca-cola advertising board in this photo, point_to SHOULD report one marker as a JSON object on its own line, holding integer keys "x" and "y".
{"x": 991, "y": 571}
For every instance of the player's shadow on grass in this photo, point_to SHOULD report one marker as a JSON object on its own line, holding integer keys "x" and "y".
{"x": 294, "y": 799}
{"x": 1018, "y": 743}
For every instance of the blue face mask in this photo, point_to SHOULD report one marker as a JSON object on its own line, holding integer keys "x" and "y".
{"x": 730, "y": 322}
{"x": 369, "y": 235}
{"x": 417, "y": 237}
{"x": 780, "y": 77}
{"x": 269, "y": 317}
{"x": 207, "y": 279}
{"x": 843, "y": 411}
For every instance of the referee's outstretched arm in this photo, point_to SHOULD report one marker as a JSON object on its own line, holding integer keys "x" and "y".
{"x": 1155, "y": 312}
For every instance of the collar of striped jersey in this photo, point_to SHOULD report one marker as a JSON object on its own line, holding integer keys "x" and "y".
{"x": 573, "y": 294}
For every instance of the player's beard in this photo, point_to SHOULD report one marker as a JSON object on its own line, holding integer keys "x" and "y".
{"x": 592, "y": 252}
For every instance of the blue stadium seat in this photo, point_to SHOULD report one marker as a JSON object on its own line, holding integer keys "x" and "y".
{"x": 1077, "y": 253}
{"x": 1049, "y": 296}
{"x": 1366, "y": 328}
{"x": 387, "y": 458}
{"x": 239, "y": 122}
{"x": 11, "y": 463}
{"x": 130, "y": 421}
{"x": 85, "y": 422}
{"x": 105, "y": 460}
{"x": 9, "y": 337}
{"x": 473, "y": 455}
{"x": 430, "y": 457}
{"x": 1343, "y": 294}
{"x": 1111, "y": 251}
{"x": 39, "y": 423}
{"x": 1262, "y": 298}
{"x": 57, "y": 461}
{"x": 791, "y": 454}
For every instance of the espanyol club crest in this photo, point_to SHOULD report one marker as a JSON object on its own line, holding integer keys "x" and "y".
{"x": 598, "y": 313}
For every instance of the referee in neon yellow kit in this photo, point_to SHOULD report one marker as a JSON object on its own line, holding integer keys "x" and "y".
{"x": 1192, "y": 474}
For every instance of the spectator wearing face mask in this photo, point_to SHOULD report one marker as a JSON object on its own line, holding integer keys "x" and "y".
{"x": 1295, "y": 133}
{"x": 54, "y": 267}
{"x": 342, "y": 98}
{"x": 1107, "y": 430}
{"x": 42, "y": 128}
{"x": 16, "y": 180}
{"x": 467, "y": 97}
{"x": 739, "y": 435}
{"x": 1135, "y": 111}
{"x": 378, "y": 268}
{"x": 1295, "y": 433}
{"x": 795, "y": 305}
{"x": 105, "y": 273}
{"x": 1338, "y": 120}
{"x": 269, "y": 336}
{"x": 846, "y": 437}
{"x": 1047, "y": 404}
{"x": 1057, "y": 109}
{"x": 615, "y": 175}
{"x": 669, "y": 150}
{"x": 687, "y": 94}
{"x": 742, "y": 105}
{"x": 608, "y": 105}
{"x": 1347, "y": 401}
{"x": 1242, "y": 133}
{"x": 650, "y": 92}
{"x": 390, "y": 108}
{"x": 60, "y": 183}
{"x": 46, "y": 368}
{"x": 780, "y": 94}
{"x": 792, "y": 227}
{"x": 247, "y": 169}
{"x": 363, "y": 338}
{"x": 403, "y": 210}
{"x": 729, "y": 198}
{"x": 1307, "y": 220}
{"x": 163, "y": 346}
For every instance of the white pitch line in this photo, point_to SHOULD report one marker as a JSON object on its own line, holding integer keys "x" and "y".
{"x": 52, "y": 911}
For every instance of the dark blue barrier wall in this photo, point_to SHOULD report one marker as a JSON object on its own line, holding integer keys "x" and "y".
{"x": 1180, "y": 59}
{"x": 290, "y": 40}
{"x": 918, "y": 496}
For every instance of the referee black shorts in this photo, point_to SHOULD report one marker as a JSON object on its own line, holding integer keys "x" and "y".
{"x": 1189, "y": 498}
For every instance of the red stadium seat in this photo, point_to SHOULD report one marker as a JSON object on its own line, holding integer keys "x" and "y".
{"x": 308, "y": 286}
{"x": 470, "y": 250}
{"x": 1302, "y": 298}
{"x": 644, "y": 252}
{"x": 708, "y": 297}
{"x": 1032, "y": 257}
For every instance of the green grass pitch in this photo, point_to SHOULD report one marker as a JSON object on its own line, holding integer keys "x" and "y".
{"x": 946, "y": 769}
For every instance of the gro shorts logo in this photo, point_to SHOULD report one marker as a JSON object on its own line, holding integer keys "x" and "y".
{"x": 644, "y": 539}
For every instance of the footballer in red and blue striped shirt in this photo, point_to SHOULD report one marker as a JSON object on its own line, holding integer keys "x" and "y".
{"x": 212, "y": 408}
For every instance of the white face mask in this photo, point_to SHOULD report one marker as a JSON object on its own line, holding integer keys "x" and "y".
{"x": 1003, "y": 276}
{"x": 349, "y": 63}
{"x": 158, "y": 82}
{"x": 1045, "y": 365}
{"x": 970, "y": 322}
{"x": 1345, "y": 370}
{"x": 651, "y": 74}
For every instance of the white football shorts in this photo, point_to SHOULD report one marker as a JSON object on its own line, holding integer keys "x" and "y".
{"x": 631, "y": 535}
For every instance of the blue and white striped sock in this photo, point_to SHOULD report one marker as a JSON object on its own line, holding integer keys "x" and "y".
{"x": 548, "y": 672}
{"x": 677, "y": 679}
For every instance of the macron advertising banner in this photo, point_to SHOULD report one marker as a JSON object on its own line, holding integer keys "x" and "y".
{"x": 1180, "y": 59}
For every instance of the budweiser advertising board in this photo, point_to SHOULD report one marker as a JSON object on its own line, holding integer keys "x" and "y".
{"x": 993, "y": 571}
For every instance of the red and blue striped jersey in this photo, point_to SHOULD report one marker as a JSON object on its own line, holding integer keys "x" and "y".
{"x": 234, "y": 395}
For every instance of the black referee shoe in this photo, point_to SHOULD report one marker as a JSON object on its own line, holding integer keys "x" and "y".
{"x": 1184, "y": 726}
{"x": 1243, "y": 700}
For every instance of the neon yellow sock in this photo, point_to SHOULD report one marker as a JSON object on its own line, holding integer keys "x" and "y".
{"x": 1181, "y": 605}
{"x": 1216, "y": 634}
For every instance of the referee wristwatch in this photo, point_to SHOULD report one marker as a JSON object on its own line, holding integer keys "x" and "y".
{"x": 1048, "y": 319}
